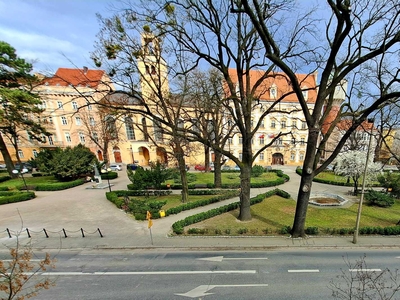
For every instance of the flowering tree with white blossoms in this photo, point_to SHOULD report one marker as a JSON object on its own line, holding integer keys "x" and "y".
{"x": 351, "y": 164}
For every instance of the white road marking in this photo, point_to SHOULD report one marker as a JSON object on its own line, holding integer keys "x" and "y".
{"x": 143, "y": 273}
{"x": 202, "y": 290}
{"x": 220, "y": 258}
{"x": 304, "y": 271}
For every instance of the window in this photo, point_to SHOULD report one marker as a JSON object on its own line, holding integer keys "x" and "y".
{"x": 78, "y": 120}
{"x": 302, "y": 141}
{"x": 43, "y": 138}
{"x": 283, "y": 124}
{"x": 92, "y": 122}
{"x": 303, "y": 125}
{"x": 74, "y": 105}
{"x": 301, "y": 156}
{"x": 294, "y": 124}
{"x": 51, "y": 142}
{"x": 240, "y": 140}
{"x": 111, "y": 128}
{"x": 158, "y": 131}
{"x": 42, "y": 105}
{"x": 293, "y": 141}
{"x": 64, "y": 121}
{"x": 261, "y": 139}
{"x": 252, "y": 123}
{"x": 81, "y": 137}
{"x": 95, "y": 137}
{"x": 50, "y": 120}
{"x": 272, "y": 92}
{"x": 230, "y": 141}
{"x": 20, "y": 154}
{"x": 252, "y": 141}
{"x": 273, "y": 125}
{"x": 60, "y": 105}
{"x": 262, "y": 124}
{"x": 278, "y": 141}
{"x": 68, "y": 137}
{"x": 292, "y": 156}
{"x": 240, "y": 156}
{"x": 34, "y": 152}
{"x": 262, "y": 156}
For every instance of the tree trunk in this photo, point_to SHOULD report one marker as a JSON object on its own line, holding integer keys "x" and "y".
{"x": 245, "y": 213}
{"x": 7, "y": 157}
{"x": 182, "y": 170}
{"x": 217, "y": 170}
{"x": 298, "y": 228}
{"x": 303, "y": 197}
{"x": 206, "y": 158}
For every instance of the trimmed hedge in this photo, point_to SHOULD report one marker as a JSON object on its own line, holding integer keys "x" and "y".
{"x": 109, "y": 175}
{"x": 58, "y": 186}
{"x": 299, "y": 171}
{"x": 282, "y": 178}
{"x": 5, "y": 178}
{"x": 191, "y": 205}
{"x": 13, "y": 196}
{"x": 114, "y": 196}
{"x": 178, "y": 227}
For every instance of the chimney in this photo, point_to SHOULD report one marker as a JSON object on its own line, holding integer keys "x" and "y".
{"x": 85, "y": 69}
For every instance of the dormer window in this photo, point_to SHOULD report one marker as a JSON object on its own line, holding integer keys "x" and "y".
{"x": 273, "y": 92}
{"x": 147, "y": 69}
{"x": 153, "y": 70}
{"x": 305, "y": 93}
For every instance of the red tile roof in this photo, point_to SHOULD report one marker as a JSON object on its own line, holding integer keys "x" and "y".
{"x": 282, "y": 83}
{"x": 76, "y": 77}
{"x": 346, "y": 124}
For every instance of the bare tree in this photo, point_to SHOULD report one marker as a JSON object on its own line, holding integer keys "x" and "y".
{"x": 358, "y": 282}
{"x": 354, "y": 40}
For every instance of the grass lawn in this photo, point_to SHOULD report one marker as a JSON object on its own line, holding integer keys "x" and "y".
{"x": 228, "y": 177}
{"x": 173, "y": 200}
{"x": 333, "y": 177}
{"x": 275, "y": 213}
{"x": 12, "y": 183}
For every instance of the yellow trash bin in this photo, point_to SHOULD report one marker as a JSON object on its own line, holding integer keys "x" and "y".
{"x": 162, "y": 213}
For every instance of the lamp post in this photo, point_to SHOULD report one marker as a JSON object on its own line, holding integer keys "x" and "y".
{"x": 22, "y": 172}
{"x": 107, "y": 171}
{"x": 355, "y": 236}
{"x": 131, "y": 150}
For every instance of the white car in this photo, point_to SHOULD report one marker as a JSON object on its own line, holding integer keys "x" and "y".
{"x": 115, "y": 167}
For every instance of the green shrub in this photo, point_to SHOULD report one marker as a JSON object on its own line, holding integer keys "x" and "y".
{"x": 4, "y": 178}
{"x": 13, "y": 196}
{"x": 257, "y": 171}
{"x": 311, "y": 230}
{"x": 285, "y": 230}
{"x": 376, "y": 198}
{"x": 242, "y": 231}
{"x": 109, "y": 175}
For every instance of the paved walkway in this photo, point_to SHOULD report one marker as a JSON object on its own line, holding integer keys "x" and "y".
{"x": 83, "y": 208}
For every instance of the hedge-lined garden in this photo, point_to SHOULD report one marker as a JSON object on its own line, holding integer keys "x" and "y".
{"x": 15, "y": 196}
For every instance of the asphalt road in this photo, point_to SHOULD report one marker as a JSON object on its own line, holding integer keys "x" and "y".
{"x": 141, "y": 274}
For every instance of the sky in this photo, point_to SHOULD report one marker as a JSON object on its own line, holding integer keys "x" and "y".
{"x": 52, "y": 33}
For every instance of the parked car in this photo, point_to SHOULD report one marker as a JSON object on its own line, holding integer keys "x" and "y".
{"x": 132, "y": 167}
{"x": 226, "y": 168}
{"x": 201, "y": 168}
{"x": 27, "y": 166}
{"x": 115, "y": 167}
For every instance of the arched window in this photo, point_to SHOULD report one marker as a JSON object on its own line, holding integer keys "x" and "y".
{"x": 111, "y": 127}
{"x": 130, "y": 132}
{"x": 158, "y": 131}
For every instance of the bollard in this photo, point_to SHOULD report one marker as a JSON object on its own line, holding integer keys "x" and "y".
{"x": 29, "y": 235}
{"x": 83, "y": 235}
{"x": 65, "y": 234}
{"x": 98, "y": 229}
{"x": 44, "y": 230}
{"x": 9, "y": 234}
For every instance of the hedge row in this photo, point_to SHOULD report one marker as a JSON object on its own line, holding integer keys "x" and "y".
{"x": 109, "y": 175}
{"x": 12, "y": 196}
{"x": 282, "y": 178}
{"x": 191, "y": 205}
{"x": 332, "y": 182}
{"x": 5, "y": 178}
{"x": 58, "y": 186}
{"x": 390, "y": 230}
{"x": 178, "y": 227}
{"x": 115, "y": 196}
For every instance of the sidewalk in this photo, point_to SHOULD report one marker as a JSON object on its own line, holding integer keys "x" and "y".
{"x": 85, "y": 209}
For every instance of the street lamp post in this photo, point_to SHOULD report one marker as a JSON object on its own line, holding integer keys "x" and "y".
{"x": 355, "y": 236}
{"x": 107, "y": 171}
{"x": 131, "y": 150}
{"x": 22, "y": 172}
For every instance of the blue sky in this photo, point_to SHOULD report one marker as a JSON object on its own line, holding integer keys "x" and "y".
{"x": 52, "y": 33}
